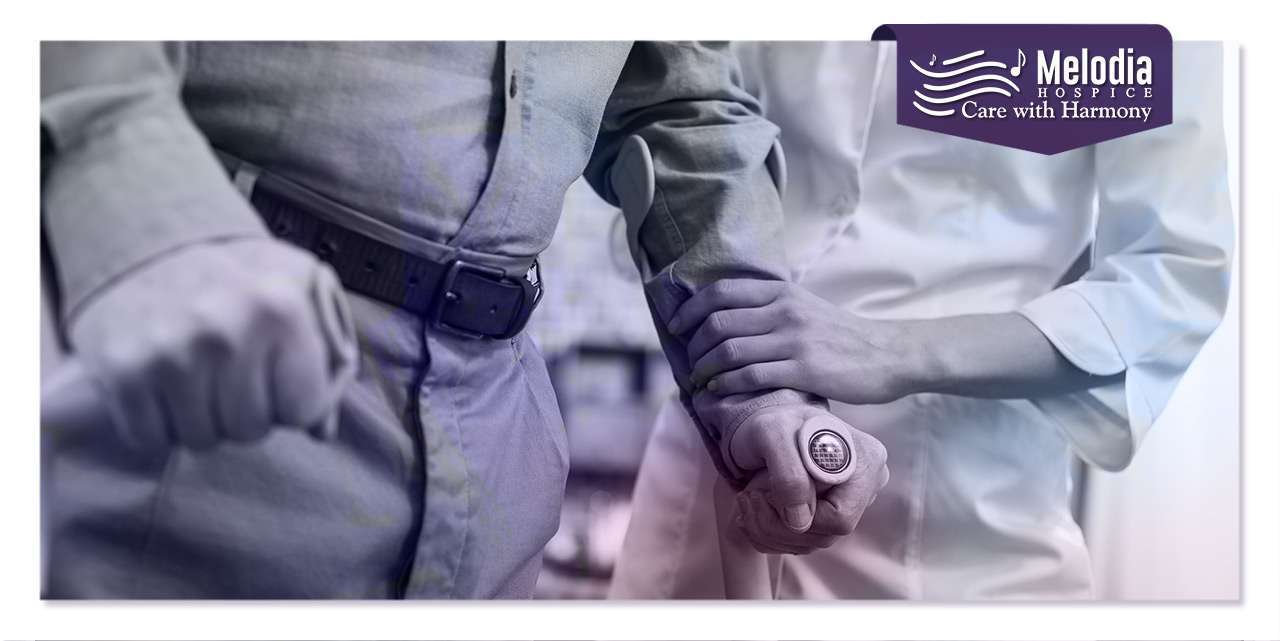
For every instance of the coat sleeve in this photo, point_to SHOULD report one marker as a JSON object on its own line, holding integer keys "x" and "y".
{"x": 1160, "y": 273}
{"x": 126, "y": 176}
{"x": 716, "y": 211}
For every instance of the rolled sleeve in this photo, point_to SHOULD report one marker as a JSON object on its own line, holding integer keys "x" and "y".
{"x": 1085, "y": 341}
{"x": 130, "y": 178}
{"x": 1103, "y": 424}
{"x": 1161, "y": 268}
{"x": 716, "y": 211}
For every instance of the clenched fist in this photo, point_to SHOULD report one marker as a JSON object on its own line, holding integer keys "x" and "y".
{"x": 217, "y": 341}
{"x": 767, "y": 443}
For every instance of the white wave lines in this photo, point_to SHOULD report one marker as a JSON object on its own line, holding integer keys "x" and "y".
{"x": 933, "y": 112}
{"x": 969, "y": 81}
{"x": 971, "y": 54}
{"x": 956, "y": 72}
{"x": 962, "y": 96}
{"x": 937, "y": 94}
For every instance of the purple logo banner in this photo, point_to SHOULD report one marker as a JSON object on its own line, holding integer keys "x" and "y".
{"x": 1042, "y": 88}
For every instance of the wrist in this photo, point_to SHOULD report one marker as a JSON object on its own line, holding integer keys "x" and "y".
{"x": 741, "y": 445}
{"x": 925, "y": 361}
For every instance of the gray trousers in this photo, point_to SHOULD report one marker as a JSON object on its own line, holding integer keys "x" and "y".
{"x": 445, "y": 481}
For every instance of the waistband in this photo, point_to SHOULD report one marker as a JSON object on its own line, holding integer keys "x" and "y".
{"x": 248, "y": 176}
{"x": 467, "y": 293}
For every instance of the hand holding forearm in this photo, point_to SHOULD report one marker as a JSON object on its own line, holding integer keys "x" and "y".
{"x": 755, "y": 335}
{"x": 690, "y": 165}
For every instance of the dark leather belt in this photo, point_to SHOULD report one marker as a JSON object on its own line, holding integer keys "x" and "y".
{"x": 465, "y": 298}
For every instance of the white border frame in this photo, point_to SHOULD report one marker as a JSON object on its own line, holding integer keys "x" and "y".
{"x": 24, "y": 616}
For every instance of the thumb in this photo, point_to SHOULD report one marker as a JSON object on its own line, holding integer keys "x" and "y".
{"x": 337, "y": 327}
{"x": 791, "y": 491}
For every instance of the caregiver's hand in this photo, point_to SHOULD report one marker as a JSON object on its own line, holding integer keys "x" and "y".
{"x": 837, "y": 510}
{"x": 219, "y": 341}
{"x": 757, "y": 335}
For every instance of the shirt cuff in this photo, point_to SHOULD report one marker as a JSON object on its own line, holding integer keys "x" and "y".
{"x": 1104, "y": 424}
{"x": 147, "y": 186}
{"x": 1076, "y": 330}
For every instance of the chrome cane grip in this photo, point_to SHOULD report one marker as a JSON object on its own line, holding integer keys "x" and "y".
{"x": 826, "y": 448}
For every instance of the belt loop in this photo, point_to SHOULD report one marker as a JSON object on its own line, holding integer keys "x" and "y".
{"x": 245, "y": 177}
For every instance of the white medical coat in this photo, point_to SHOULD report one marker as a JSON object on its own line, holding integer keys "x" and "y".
{"x": 892, "y": 222}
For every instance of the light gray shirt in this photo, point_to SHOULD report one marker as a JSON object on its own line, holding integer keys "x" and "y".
{"x": 467, "y": 144}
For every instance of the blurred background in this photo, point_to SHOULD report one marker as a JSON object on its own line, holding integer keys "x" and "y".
{"x": 611, "y": 378}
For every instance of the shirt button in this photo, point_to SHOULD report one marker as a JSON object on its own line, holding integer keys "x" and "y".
{"x": 512, "y": 93}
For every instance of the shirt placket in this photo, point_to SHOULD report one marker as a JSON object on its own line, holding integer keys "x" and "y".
{"x": 439, "y": 564}
{"x": 506, "y": 179}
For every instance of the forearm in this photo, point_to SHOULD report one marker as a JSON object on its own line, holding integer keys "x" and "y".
{"x": 712, "y": 210}
{"x": 989, "y": 356}
{"x": 127, "y": 176}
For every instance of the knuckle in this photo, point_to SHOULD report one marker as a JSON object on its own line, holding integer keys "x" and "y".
{"x": 276, "y": 305}
{"x": 730, "y": 351}
{"x": 704, "y": 339}
{"x": 205, "y": 305}
{"x": 791, "y": 483}
{"x": 755, "y": 376}
{"x": 791, "y": 370}
{"x": 214, "y": 342}
{"x": 789, "y": 312}
{"x": 722, "y": 288}
{"x": 794, "y": 345}
{"x": 804, "y": 350}
{"x": 716, "y": 324}
{"x": 879, "y": 455}
{"x": 214, "y": 330}
{"x": 167, "y": 348}
{"x": 123, "y": 354}
{"x": 774, "y": 438}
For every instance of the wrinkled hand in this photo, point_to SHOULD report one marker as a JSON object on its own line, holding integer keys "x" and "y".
{"x": 219, "y": 341}
{"x": 780, "y": 510}
{"x": 755, "y": 335}
{"x": 838, "y": 512}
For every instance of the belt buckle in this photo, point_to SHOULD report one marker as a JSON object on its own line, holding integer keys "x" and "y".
{"x": 446, "y": 294}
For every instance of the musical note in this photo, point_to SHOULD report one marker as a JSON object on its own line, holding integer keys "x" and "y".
{"x": 1017, "y": 69}
{"x": 959, "y": 78}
